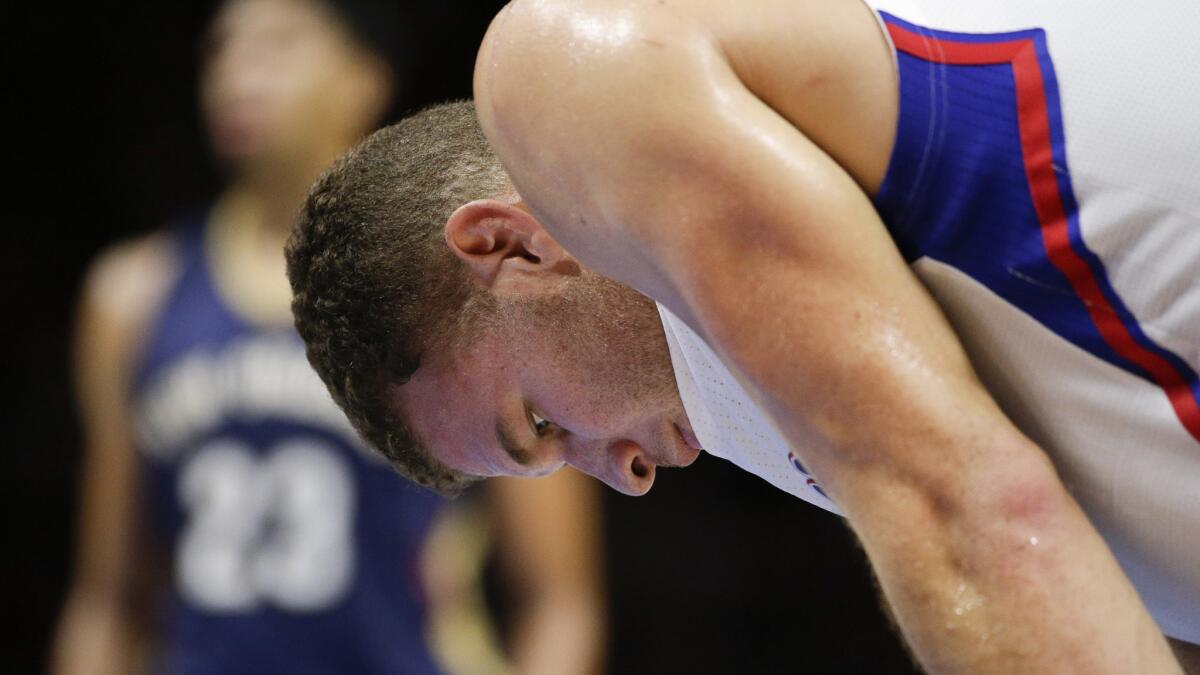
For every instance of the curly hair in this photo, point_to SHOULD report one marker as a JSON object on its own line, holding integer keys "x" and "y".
{"x": 375, "y": 286}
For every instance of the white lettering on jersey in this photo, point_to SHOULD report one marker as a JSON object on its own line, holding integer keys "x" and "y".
{"x": 276, "y": 530}
{"x": 263, "y": 376}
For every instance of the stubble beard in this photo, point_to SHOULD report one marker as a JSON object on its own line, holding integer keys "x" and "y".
{"x": 614, "y": 333}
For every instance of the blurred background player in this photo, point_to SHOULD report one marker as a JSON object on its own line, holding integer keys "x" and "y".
{"x": 230, "y": 520}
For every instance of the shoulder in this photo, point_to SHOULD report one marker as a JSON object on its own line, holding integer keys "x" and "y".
{"x": 576, "y": 77}
{"x": 541, "y": 56}
{"x": 127, "y": 278}
{"x": 590, "y": 104}
{"x": 590, "y": 31}
{"x": 123, "y": 289}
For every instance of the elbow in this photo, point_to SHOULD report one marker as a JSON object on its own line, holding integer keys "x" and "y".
{"x": 1018, "y": 486}
{"x": 1006, "y": 515}
{"x": 1000, "y": 486}
{"x": 1006, "y": 483}
{"x": 1029, "y": 495}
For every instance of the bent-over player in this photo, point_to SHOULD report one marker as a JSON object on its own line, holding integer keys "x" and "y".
{"x": 934, "y": 263}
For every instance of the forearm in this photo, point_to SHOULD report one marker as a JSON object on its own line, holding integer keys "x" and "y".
{"x": 1017, "y": 582}
{"x": 555, "y": 571}
{"x": 988, "y": 563}
{"x": 96, "y": 638}
{"x": 560, "y": 633}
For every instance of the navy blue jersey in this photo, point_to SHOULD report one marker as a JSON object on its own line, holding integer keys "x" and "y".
{"x": 293, "y": 548}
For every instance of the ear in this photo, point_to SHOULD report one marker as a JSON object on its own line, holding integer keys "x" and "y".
{"x": 504, "y": 245}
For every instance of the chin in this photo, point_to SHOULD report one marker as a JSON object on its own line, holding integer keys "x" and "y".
{"x": 234, "y": 145}
{"x": 235, "y": 157}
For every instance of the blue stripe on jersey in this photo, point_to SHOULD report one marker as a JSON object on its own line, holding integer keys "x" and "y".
{"x": 957, "y": 191}
{"x": 1071, "y": 205}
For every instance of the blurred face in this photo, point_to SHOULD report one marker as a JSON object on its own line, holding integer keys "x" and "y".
{"x": 581, "y": 378}
{"x": 282, "y": 79}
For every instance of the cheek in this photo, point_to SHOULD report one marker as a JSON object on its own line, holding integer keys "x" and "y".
{"x": 454, "y": 437}
{"x": 599, "y": 388}
{"x": 626, "y": 381}
{"x": 594, "y": 404}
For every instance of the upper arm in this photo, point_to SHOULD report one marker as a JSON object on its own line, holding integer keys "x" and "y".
{"x": 122, "y": 289}
{"x": 549, "y": 546}
{"x": 120, "y": 293}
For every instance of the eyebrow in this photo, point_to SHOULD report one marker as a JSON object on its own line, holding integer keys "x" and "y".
{"x": 508, "y": 441}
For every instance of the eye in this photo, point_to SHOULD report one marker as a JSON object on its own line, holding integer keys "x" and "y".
{"x": 540, "y": 424}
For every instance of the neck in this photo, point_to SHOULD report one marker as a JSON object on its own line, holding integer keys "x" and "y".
{"x": 268, "y": 198}
{"x": 249, "y": 225}
{"x": 251, "y": 222}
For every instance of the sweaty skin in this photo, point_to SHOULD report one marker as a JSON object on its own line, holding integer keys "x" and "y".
{"x": 720, "y": 158}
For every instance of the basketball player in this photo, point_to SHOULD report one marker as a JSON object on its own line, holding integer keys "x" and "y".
{"x": 930, "y": 263}
{"x": 289, "y": 548}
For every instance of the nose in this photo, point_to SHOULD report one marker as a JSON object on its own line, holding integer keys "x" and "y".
{"x": 622, "y": 465}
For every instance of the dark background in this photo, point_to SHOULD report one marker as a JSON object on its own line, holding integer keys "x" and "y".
{"x": 713, "y": 572}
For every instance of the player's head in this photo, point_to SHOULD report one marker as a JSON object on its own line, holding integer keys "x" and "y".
{"x": 448, "y": 324}
{"x": 292, "y": 83}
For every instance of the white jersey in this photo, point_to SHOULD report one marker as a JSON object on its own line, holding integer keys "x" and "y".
{"x": 1045, "y": 186}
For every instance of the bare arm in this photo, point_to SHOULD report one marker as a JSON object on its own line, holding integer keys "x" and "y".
{"x": 550, "y": 551}
{"x": 658, "y": 167}
{"x": 97, "y": 632}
